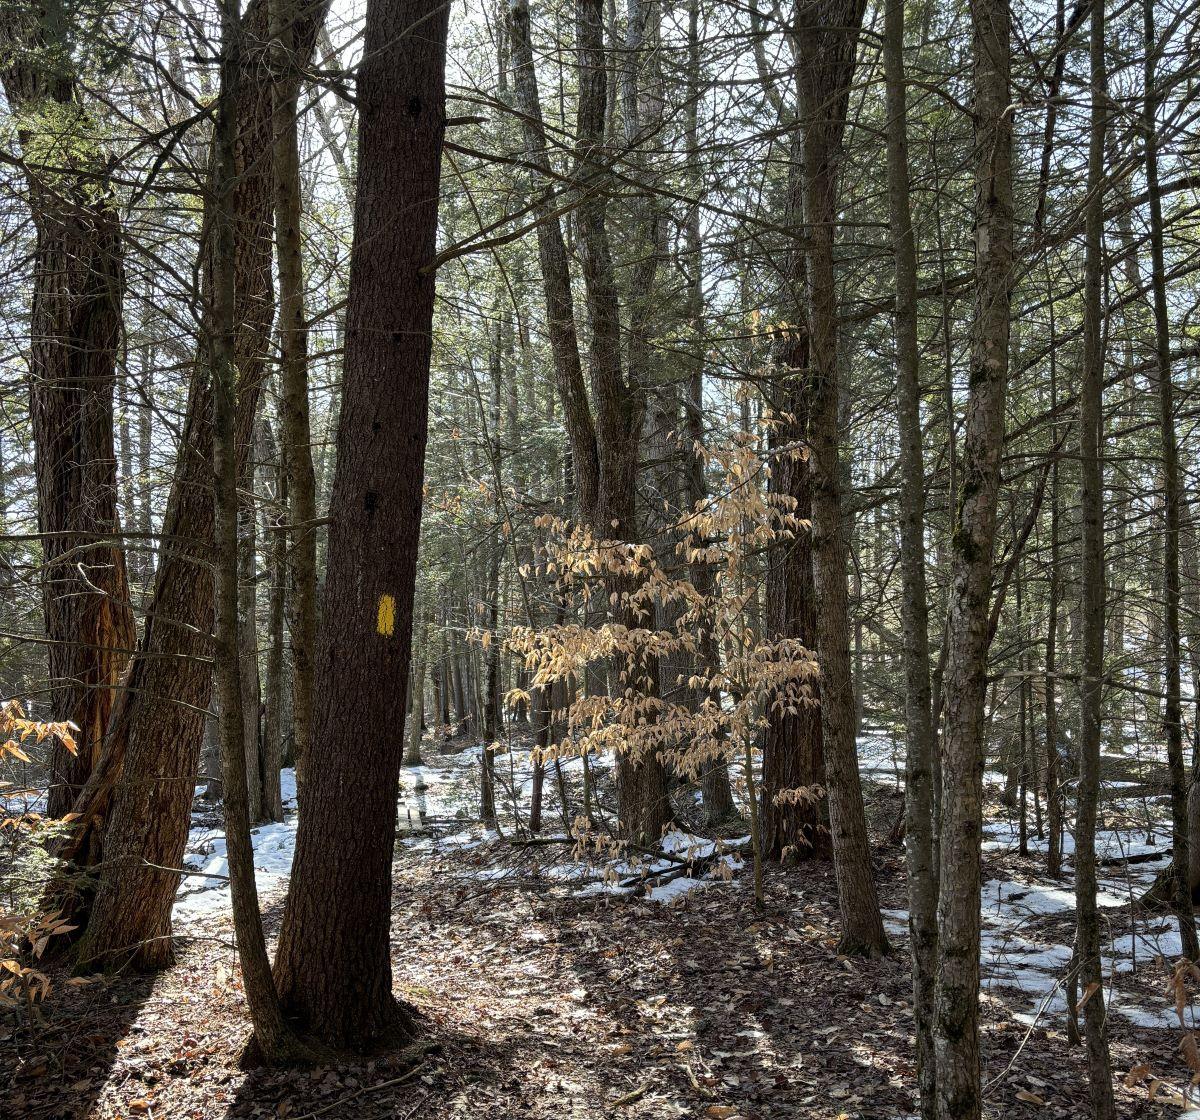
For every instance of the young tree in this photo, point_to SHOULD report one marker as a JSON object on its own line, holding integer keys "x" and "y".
{"x": 333, "y": 965}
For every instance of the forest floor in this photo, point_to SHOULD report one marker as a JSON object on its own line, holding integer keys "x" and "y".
{"x": 551, "y": 991}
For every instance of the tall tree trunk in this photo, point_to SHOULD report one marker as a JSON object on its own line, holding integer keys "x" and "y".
{"x": 247, "y": 644}
{"x": 1092, "y": 592}
{"x": 792, "y": 745}
{"x": 956, "y": 1022}
{"x": 714, "y": 783}
{"x": 274, "y": 517}
{"x": 333, "y": 964}
{"x": 826, "y": 40}
{"x": 143, "y": 785}
{"x": 1054, "y": 800}
{"x": 271, "y": 1033}
{"x": 920, "y": 746}
{"x": 289, "y": 57}
{"x": 75, "y": 331}
{"x": 1172, "y": 706}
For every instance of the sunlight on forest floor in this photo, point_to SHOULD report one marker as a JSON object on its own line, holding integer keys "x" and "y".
{"x": 557, "y": 986}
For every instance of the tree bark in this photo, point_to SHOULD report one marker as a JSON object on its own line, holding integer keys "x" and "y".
{"x": 272, "y": 1035}
{"x": 156, "y": 727}
{"x": 1092, "y": 594}
{"x": 333, "y": 965}
{"x": 75, "y": 332}
{"x": 956, "y": 1017}
{"x": 1172, "y": 704}
{"x": 826, "y": 39}
{"x": 920, "y": 745}
{"x": 290, "y": 53}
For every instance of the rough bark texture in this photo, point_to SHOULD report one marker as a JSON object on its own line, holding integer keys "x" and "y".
{"x": 826, "y": 39}
{"x": 920, "y": 745}
{"x": 157, "y": 726}
{"x": 956, "y": 1016}
{"x": 792, "y": 750}
{"x": 333, "y": 966}
{"x": 75, "y": 332}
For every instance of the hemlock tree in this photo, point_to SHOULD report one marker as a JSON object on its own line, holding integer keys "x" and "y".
{"x": 333, "y": 966}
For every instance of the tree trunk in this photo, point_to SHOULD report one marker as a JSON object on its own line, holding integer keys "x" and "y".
{"x": 1054, "y": 801}
{"x": 333, "y": 965}
{"x": 247, "y": 645}
{"x": 1092, "y": 594}
{"x": 273, "y": 519}
{"x": 156, "y": 726}
{"x": 956, "y": 1022}
{"x": 920, "y": 745}
{"x": 272, "y": 1035}
{"x": 75, "y": 331}
{"x": 792, "y": 746}
{"x": 1172, "y": 704}
{"x": 290, "y": 51}
{"x": 825, "y": 63}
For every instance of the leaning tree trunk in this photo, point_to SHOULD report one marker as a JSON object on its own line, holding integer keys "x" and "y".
{"x": 75, "y": 332}
{"x": 956, "y": 1010}
{"x": 826, "y": 48}
{"x": 333, "y": 966}
{"x": 143, "y": 785}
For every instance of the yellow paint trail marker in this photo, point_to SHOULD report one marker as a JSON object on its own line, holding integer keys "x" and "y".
{"x": 385, "y": 621}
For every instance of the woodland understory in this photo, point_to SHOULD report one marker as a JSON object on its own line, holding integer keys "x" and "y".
{"x": 574, "y": 558}
{"x": 532, "y": 1004}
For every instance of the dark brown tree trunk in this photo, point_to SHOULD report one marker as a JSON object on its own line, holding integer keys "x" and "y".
{"x": 827, "y": 40}
{"x": 143, "y": 785}
{"x": 956, "y": 1016}
{"x": 75, "y": 332}
{"x": 333, "y": 966}
{"x": 792, "y": 752}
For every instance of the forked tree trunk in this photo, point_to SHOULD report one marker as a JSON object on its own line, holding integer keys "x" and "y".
{"x": 956, "y": 1015}
{"x": 333, "y": 965}
{"x": 143, "y": 786}
{"x": 75, "y": 331}
{"x": 273, "y": 1036}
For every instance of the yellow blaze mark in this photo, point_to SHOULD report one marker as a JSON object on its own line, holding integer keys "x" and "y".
{"x": 385, "y": 621}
